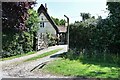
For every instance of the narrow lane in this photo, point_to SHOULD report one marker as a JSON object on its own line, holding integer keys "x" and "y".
{"x": 18, "y": 68}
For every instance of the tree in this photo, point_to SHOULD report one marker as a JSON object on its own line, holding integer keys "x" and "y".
{"x": 85, "y": 16}
{"x": 62, "y": 22}
{"x": 14, "y": 14}
{"x": 15, "y": 32}
{"x": 33, "y": 26}
{"x": 59, "y": 21}
{"x": 56, "y": 20}
{"x": 97, "y": 39}
{"x": 114, "y": 18}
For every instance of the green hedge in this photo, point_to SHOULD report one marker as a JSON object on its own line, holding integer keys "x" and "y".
{"x": 16, "y": 42}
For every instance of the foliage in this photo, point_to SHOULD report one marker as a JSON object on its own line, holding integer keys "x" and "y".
{"x": 98, "y": 38}
{"x": 32, "y": 25}
{"x": 14, "y": 14}
{"x": 62, "y": 22}
{"x": 52, "y": 40}
{"x": 17, "y": 33}
{"x": 114, "y": 18}
{"x": 76, "y": 54}
{"x": 83, "y": 30}
{"x": 85, "y": 16}
{"x": 59, "y": 21}
{"x": 32, "y": 21}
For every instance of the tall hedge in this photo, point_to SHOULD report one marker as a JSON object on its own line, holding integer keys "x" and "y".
{"x": 98, "y": 38}
{"x": 19, "y": 24}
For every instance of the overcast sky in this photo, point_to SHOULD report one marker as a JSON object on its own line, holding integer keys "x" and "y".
{"x": 73, "y": 9}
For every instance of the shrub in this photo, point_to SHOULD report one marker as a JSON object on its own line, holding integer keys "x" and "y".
{"x": 15, "y": 41}
{"x": 52, "y": 40}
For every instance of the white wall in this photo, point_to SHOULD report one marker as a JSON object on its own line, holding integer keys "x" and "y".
{"x": 47, "y": 26}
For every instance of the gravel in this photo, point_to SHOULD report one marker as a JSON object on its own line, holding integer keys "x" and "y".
{"x": 16, "y": 68}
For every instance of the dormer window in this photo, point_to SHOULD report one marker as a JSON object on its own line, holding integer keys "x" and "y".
{"x": 42, "y": 18}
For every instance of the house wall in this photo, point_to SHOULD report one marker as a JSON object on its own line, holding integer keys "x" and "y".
{"x": 47, "y": 26}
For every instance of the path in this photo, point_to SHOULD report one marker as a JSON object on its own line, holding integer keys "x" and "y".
{"x": 18, "y": 68}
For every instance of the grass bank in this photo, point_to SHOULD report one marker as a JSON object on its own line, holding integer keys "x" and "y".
{"x": 43, "y": 55}
{"x": 77, "y": 68}
{"x": 17, "y": 56}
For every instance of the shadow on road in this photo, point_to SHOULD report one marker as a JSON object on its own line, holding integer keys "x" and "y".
{"x": 58, "y": 55}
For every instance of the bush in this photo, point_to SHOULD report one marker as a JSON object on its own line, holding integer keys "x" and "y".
{"x": 96, "y": 40}
{"x": 16, "y": 42}
{"x": 52, "y": 40}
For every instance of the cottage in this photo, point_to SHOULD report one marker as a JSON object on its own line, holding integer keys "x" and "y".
{"x": 47, "y": 25}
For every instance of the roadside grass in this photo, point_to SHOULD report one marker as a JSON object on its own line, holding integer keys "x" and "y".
{"x": 76, "y": 68}
{"x": 17, "y": 56}
{"x": 43, "y": 55}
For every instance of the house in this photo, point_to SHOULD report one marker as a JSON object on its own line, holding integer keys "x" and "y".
{"x": 47, "y": 25}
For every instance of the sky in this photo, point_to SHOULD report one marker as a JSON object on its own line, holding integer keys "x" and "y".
{"x": 73, "y": 9}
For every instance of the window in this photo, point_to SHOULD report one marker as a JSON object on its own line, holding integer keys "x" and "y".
{"x": 42, "y": 24}
{"x": 42, "y": 18}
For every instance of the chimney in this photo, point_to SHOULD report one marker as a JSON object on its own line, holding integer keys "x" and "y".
{"x": 46, "y": 6}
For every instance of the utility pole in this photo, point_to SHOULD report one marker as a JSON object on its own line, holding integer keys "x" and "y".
{"x": 67, "y": 30}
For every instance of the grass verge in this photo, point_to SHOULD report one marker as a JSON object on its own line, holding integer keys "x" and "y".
{"x": 76, "y": 68}
{"x": 17, "y": 56}
{"x": 43, "y": 55}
